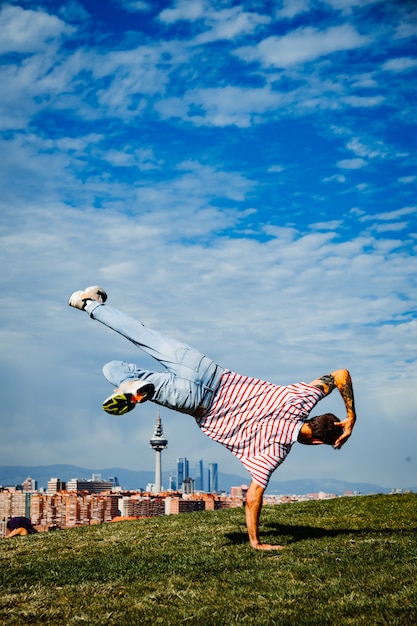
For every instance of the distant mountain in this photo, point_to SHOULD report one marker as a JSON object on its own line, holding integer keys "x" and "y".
{"x": 129, "y": 479}
{"x": 326, "y": 485}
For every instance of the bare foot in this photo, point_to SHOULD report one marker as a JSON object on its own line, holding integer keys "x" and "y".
{"x": 267, "y": 546}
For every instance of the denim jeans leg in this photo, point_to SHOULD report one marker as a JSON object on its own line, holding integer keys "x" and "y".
{"x": 190, "y": 374}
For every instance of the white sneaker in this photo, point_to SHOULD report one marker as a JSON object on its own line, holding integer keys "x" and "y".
{"x": 127, "y": 396}
{"x": 80, "y": 298}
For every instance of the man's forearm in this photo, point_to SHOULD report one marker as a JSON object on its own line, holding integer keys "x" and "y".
{"x": 341, "y": 380}
{"x": 344, "y": 384}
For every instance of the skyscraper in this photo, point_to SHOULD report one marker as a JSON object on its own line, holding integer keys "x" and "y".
{"x": 172, "y": 481}
{"x": 213, "y": 485}
{"x": 182, "y": 471}
{"x": 199, "y": 480}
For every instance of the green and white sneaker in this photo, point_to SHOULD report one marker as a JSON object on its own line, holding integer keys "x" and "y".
{"x": 127, "y": 396}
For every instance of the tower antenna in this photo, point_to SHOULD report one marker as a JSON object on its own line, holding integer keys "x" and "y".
{"x": 158, "y": 443}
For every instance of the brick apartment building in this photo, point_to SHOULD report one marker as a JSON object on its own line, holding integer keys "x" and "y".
{"x": 84, "y": 502}
{"x": 68, "y": 509}
{"x": 13, "y": 503}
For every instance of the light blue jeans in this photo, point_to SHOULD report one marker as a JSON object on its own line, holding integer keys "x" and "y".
{"x": 190, "y": 379}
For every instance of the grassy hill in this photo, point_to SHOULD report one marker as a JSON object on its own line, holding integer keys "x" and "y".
{"x": 347, "y": 561}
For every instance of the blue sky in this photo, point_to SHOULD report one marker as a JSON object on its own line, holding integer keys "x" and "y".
{"x": 241, "y": 175}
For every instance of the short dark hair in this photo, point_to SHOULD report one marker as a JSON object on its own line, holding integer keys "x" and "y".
{"x": 323, "y": 428}
{"x": 21, "y": 522}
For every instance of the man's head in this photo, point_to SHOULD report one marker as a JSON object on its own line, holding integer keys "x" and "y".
{"x": 320, "y": 429}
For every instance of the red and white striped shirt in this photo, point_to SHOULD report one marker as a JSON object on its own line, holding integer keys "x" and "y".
{"x": 258, "y": 421}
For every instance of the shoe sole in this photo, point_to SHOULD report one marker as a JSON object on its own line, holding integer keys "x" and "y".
{"x": 121, "y": 403}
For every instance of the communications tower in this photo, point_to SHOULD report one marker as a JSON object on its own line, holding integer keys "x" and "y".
{"x": 158, "y": 443}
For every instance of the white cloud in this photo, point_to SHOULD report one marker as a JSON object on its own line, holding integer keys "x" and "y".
{"x": 392, "y": 215}
{"x": 28, "y": 31}
{"x": 120, "y": 159}
{"x": 406, "y": 180}
{"x": 135, "y": 5}
{"x": 223, "y": 106}
{"x": 351, "y": 164}
{"x": 77, "y": 144}
{"x": 303, "y": 45}
{"x": 364, "y": 101}
{"x": 37, "y": 82}
{"x": 227, "y": 23}
{"x": 142, "y": 159}
{"x": 362, "y": 150}
{"x": 133, "y": 74}
{"x": 188, "y": 10}
{"x": 230, "y": 24}
{"x": 333, "y": 225}
{"x": 346, "y": 6}
{"x": 367, "y": 81}
{"x": 291, "y": 8}
{"x": 397, "y": 226}
{"x": 402, "y": 64}
{"x": 407, "y": 26}
{"x": 339, "y": 178}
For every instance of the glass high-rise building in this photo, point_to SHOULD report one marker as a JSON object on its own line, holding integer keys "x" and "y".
{"x": 213, "y": 482}
{"x": 183, "y": 471}
{"x": 199, "y": 480}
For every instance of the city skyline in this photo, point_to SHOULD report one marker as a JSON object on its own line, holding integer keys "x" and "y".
{"x": 130, "y": 480}
{"x": 238, "y": 175}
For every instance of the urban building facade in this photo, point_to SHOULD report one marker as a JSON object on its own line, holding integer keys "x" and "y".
{"x": 183, "y": 471}
{"x": 14, "y": 504}
{"x": 95, "y": 484}
{"x": 67, "y": 509}
{"x": 55, "y": 485}
{"x": 29, "y": 484}
{"x": 213, "y": 478}
{"x": 199, "y": 479}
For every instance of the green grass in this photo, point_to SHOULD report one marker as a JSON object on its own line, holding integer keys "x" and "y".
{"x": 347, "y": 561}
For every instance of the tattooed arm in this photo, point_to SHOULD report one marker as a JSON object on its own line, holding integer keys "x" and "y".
{"x": 342, "y": 381}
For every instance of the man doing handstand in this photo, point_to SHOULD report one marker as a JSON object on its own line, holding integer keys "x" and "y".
{"x": 256, "y": 420}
